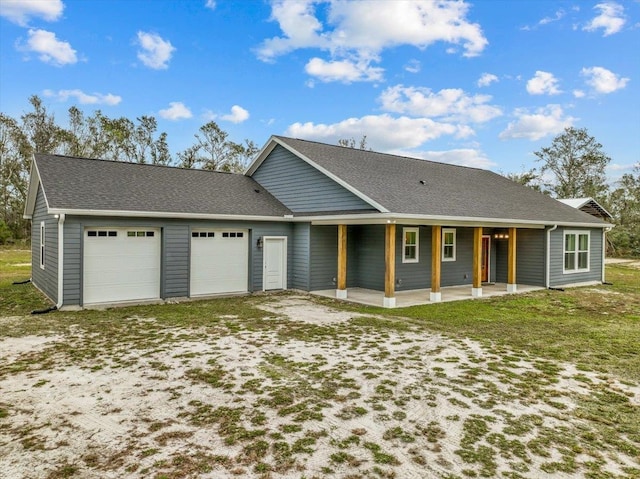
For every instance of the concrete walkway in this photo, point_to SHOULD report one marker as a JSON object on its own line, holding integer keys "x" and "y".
{"x": 421, "y": 296}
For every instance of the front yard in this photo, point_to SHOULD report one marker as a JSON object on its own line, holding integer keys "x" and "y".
{"x": 545, "y": 384}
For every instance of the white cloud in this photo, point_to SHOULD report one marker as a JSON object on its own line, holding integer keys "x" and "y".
{"x": 549, "y": 120}
{"x": 237, "y": 115}
{"x": 155, "y": 52}
{"x": 19, "y": 11}
{"x": 384, "y": 132}
{"x": 558, "y": 16}
{"x": 210, "y": 4}
{"x": 578, "y": 93}
{"x": 451, "y": 104}
{"x": 343, "y": 70}
{"x": 49, "y": 48}
{"x": 461, "y": 157}
{"x": 413, "y": 66}
{"x": 611, "y": 18}
{"x": 487, "y": 79}
{"x": 84, "y": 98}
{"x": 543, "y": 83}
{"x": 355, "y": 30}
{"x": 176, "y": 111}
{"x": 603, "y": 80}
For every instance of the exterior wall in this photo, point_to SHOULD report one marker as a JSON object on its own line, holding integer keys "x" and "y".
{"x": 302, "y": 188}
{"x": 323, "y": 262}
{"x": 176, "y": 240}
{"x": 531, "y": 257}
{"x": 44, "y": 279}
{"x": 300, "y": 256}
{"x": 412, "y": 275}
{"x": 557, "y": 277}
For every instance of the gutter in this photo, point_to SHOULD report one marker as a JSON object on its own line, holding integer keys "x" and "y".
{"x": 548, "y": 271}
{"x": 61, "y": 218}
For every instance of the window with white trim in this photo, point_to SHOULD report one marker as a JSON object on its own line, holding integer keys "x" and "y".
{"x": 42, "y": 240}
{"x": 448, "y": 244}
{"x": 410, "y": 240}
{"x": 576, "y": 251}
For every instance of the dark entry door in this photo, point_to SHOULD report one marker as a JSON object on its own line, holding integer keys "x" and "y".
{"x": 485, "y": 259}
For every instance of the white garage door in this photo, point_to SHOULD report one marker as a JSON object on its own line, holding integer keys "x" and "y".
{"x": 121, "y": 264}
{"x": 219, "y": 261}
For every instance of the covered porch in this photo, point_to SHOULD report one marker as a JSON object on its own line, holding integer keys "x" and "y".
{"x": 416, "y": 297}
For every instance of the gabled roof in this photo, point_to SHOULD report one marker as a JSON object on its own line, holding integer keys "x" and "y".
{"x": 410, "y": 186}
{"x": 88, "y": 186}
{"x": 588, "y": 205}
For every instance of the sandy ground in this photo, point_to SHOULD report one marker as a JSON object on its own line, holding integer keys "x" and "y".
{"x": 339, "y": 399}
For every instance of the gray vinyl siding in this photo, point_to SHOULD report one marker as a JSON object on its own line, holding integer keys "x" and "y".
{"x": 176, "y": 240}
{"x": 530, "y": 257}
{"x": 301, "y": 187}
{"x": 460, "y": 271}
{"x": 176, "y": 247}
{"x": 369, "y": 259}
{"x": 502, "y": 258}
{"x": 44, "y": 279}
{"x": 414, "y": 275}
{"x": 300, "y": 256}
{"x": 324, "y": 257}
{"x": 557, "y": 277}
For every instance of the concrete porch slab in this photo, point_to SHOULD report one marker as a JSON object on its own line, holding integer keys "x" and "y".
{"x": 417, "y": 297}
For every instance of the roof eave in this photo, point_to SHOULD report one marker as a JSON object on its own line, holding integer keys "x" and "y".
{"x": 32, "y": 192}
{"x": 166, "y": 214}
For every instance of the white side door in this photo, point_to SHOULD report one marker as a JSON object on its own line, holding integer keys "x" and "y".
{"x": 274, "y": 262}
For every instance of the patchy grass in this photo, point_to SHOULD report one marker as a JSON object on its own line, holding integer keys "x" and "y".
{"x": 519, "y": 386}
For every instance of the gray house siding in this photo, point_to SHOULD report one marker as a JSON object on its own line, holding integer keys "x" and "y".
{"x": 302, "y": 188}
{"x": 557, "y": 277}
{"x": 175, "y": 251}
{"x": 324, "y": 257}
{"x": 530, "y": 257}
{"x": 300, "y": 256}
{"x": 45, "y": 279}
{"x": 413, "y": 275}
{"x": 460, "y": 271}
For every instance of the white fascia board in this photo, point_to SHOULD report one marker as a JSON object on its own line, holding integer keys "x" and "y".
{"x": 275, "y": 141}
{"x": 32, "y": 192}
{"x": 409, "y": 219}
{"x": 261, "y": 156}
{"x": 164, "y": 214}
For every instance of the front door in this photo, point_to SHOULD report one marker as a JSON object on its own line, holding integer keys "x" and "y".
{"x": 486, "y": 251}
{"x": 274, "y": 262}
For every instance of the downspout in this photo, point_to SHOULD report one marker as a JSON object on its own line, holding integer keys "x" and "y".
{"x": 548, "y": 272}
{"x": 60, "y": 260}
{"x": 604, "y": 248}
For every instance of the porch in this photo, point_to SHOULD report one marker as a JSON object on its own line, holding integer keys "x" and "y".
{"x": 417, "y": 297}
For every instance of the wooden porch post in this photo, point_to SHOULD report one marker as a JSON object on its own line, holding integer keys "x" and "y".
{"x": 341, "y": 291}
{"x": 511, "y": 267}
{"x": 476, "y": 290}
{"x": 390, "y": 266}
{"x": 436, "y": 261}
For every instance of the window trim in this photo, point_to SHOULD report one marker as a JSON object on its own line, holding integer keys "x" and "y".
{"x": 43, "y": 233}
{"x": 404, "y": 245}
{"x": 444, "y": 231}
{"x": 577, "y": 251}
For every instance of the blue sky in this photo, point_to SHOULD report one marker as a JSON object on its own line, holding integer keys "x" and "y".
{"x": 482, "y": 83}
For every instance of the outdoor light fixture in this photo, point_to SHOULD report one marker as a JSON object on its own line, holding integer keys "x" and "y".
{"x": 501, "y": 236}
{"x": 259, "y": 242}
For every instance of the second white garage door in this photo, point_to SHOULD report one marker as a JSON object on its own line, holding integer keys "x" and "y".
{"x": 219, "y": 261}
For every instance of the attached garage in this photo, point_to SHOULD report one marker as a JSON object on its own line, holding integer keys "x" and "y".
{"x": 219, "y": 261}
{"x": 121, "y": 264}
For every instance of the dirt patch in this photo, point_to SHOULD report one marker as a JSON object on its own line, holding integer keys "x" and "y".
{"x": 311, "y": 392}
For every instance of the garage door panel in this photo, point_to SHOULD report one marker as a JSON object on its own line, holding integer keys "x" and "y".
{"x": 121, "y": 266}
{"x": 219, "y": 263}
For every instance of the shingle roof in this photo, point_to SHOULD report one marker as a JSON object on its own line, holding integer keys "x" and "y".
{"x": 413, "y": 186}
{"x": 86, "y": 184}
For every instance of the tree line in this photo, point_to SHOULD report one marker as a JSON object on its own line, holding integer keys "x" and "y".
{"x": 573, "y": 166}
{"x": 98, "y": 136}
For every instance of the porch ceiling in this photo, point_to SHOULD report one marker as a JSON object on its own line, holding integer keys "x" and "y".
{"x": 417, "y": 297}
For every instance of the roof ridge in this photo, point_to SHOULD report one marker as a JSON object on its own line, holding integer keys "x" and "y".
{"x": 173, "y": 167}
{"x": 403, "y": 157}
